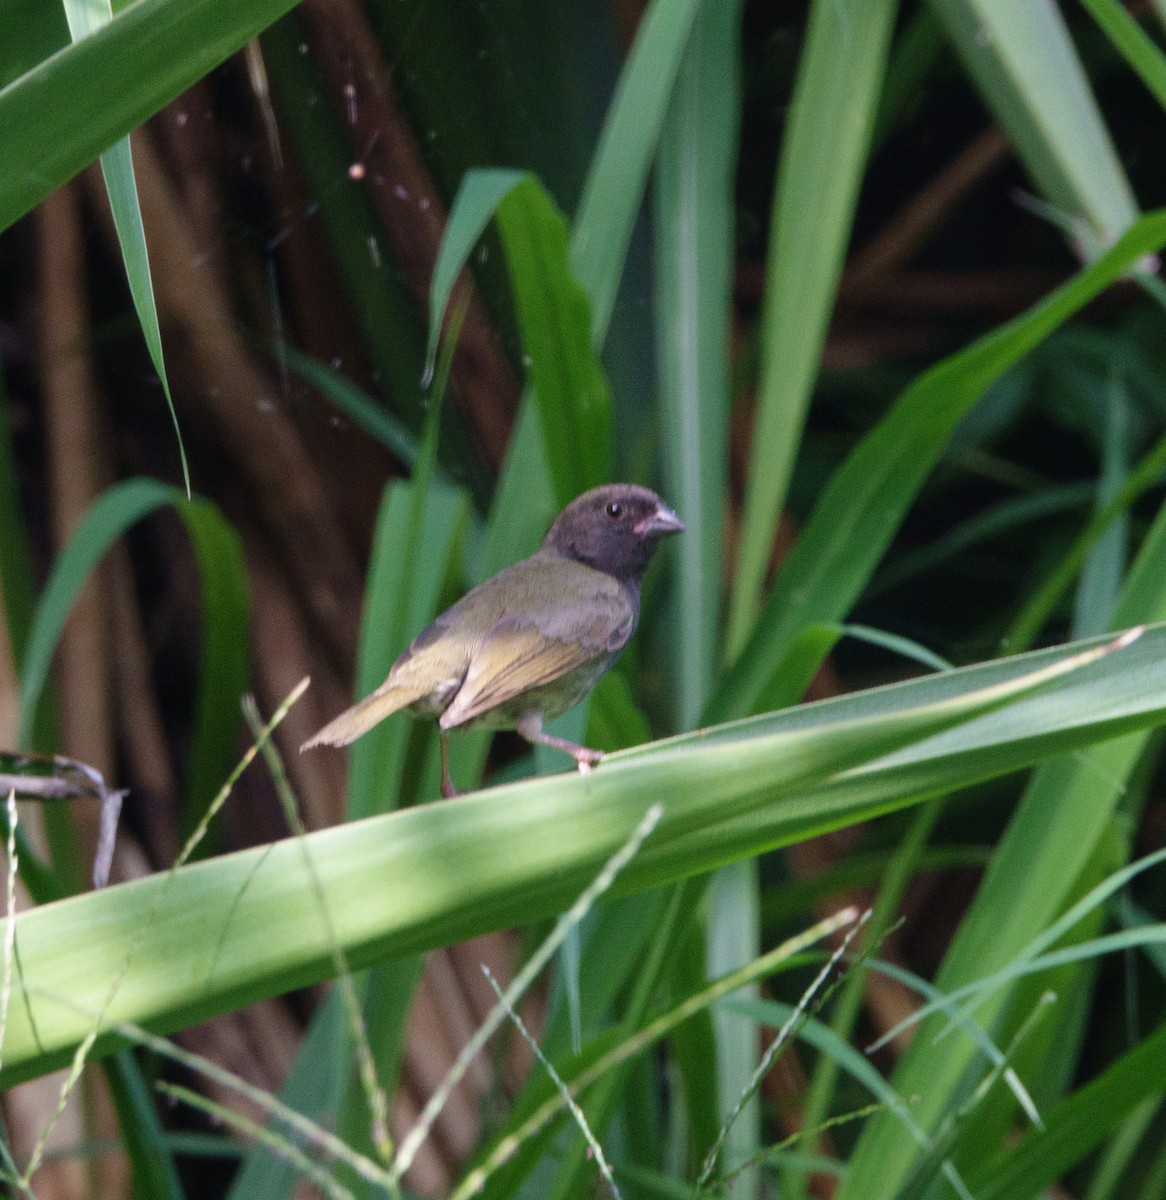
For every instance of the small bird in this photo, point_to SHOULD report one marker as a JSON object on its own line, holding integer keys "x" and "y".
{"x": 533, "y": 640}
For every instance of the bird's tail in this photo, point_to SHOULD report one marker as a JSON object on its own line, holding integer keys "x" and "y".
{"x": 363, "y": 715}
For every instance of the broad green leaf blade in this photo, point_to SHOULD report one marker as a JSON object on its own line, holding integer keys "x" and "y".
{"x": 225, "y": 653}
{"x": 554, "y": 319}
{"x": 85, "y": 18}
{"x": 694, "y": 216}
{"x": 866, "y": 499}
{"x": 1021, "y": 56}
{"x": 149, "y": 53}
{"x": 247, "y": 924}
{"x": 836, "y": 96}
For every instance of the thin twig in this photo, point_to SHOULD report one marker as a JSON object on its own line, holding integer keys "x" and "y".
{"x": 777, "y": 1045}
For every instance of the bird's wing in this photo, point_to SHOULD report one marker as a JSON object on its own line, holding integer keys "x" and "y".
{"x": 523, "y": 652}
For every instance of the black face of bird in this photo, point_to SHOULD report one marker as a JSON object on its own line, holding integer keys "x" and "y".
{"x": 614, "y": 529}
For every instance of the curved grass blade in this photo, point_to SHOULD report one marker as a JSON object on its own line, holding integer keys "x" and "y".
{"x": 477, "y": 200}
{"x": 225, "y": 608}
{"x": 619, "y": 169}
{"x": 554, "y": 319}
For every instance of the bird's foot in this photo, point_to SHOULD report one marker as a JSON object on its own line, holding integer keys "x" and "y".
{"x": 587, "y": 760}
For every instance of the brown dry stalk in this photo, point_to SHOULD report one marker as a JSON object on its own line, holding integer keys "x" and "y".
{"x": 914, "y": 223}
{"x": 76, "y": 472}
{"x": 429, "y": 1174}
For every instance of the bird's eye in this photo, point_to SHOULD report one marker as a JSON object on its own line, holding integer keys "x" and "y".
{"x": 615, "y": 510}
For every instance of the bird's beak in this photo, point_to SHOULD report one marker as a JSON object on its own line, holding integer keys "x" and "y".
{"x": 662, "y": 521}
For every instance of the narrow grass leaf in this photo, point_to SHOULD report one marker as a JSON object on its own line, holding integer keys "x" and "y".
{"x": 356, "y": 404}
{"x": 554, "y": 318}
{"x": 222, "y": 575}
{"x": 1102, "y": 574}
{"x": 151, "y": 1158}
{"x": 117, "y": 167}
{"x": 823, "y": 1038}
{"x": 823, "y": 155}
{"x": 694, "y": 215}
{"x": 224, "y": 656}
{"x": 1116, "y": 1156}
{"x": 619, "y": 169}
{"x": 1144, "y": 475}
{"x": 477, "y": 200}
{"x": 602, "y": 1064}
{"x": 113, "y": 513}
{"x": 1133, "y": 43}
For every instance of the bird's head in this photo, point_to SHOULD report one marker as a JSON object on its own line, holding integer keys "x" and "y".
{"x": 613, "y": 528}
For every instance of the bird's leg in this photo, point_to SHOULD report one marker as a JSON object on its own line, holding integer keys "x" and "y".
{"x": 447, "y": 788}
{"x": 530, "y": 725}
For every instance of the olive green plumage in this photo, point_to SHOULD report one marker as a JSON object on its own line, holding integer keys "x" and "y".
{"x": 533, "y": 640}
